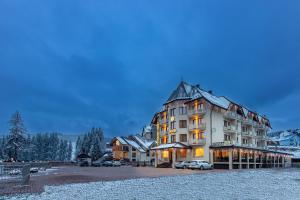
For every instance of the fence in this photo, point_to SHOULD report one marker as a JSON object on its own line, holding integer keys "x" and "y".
{"x": 14, "y": 178}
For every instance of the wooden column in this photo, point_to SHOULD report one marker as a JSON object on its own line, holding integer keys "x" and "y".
{"x": 260, "y": 160}
{"x": 156, "y": 159}
{"x": 173, "y": 157}
{"x": 240, "y": 159}
{"x": 230, "y": 151}
{"x": 254, "y": 159}
{"x": 248, "y": 163}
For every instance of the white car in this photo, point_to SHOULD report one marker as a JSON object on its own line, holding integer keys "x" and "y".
{"x": 182, "y": 165}
{"x": 14, "y": 172}
{"x": 116, "y": 163}
{"x": 200, "y": 164}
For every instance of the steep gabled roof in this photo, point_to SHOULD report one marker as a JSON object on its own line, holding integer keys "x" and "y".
{"x": 182, "y": 92}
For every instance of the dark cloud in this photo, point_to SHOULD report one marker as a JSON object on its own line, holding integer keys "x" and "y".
{"x": 71, "y": 65}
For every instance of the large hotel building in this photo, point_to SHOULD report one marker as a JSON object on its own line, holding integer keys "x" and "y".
{"x": 195, "y": 124}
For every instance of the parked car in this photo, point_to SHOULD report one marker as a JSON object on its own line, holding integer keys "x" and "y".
{"x": 116, "y": 163}
{"x": 182, "y": 165}
{"x": 124, "y": 161}
{"x": 14, "y": 172}
{"x": 108, "y": 163}
{"x": 34, "y": 170}
{"x": 200, "y": 164}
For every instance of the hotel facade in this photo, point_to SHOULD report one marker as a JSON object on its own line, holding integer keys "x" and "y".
{"x": 195, "y": 124}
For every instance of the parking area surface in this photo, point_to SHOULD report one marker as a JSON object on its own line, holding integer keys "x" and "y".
{"x": 74, "y": 174}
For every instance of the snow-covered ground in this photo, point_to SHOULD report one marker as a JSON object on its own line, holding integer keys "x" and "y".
{"x": 245, "y": 184}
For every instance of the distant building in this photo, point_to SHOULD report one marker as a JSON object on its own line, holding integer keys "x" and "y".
{"x": 134, "y": 148}
{"x": 196, "y": 124}
{"x": 84, "y": 159}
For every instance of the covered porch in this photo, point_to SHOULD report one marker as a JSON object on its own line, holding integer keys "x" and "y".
{"x": 166, "y": 155}
{"x": 237, "y": 157}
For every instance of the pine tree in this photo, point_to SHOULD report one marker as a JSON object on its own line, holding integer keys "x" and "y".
{"x": 17, "y": 136}
{"x": 70, "y": 151}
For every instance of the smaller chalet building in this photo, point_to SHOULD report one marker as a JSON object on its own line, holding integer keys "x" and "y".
{"x": 133, "y": 148}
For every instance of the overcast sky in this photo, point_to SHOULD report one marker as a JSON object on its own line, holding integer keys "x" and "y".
{"x": 70, "y": 65}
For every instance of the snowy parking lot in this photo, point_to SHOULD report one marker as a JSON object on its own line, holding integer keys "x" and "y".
{"x": 241, "y": 184}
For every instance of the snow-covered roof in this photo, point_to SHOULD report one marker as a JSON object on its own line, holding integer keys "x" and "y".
{"x": 134, "y": 144}
{"x": 143, "y": 141}
{"x": 219, "y": 101}
{"x": 170, "y": 145}
{"x": 121, "y": 140}
{"x": 187, "y": 91}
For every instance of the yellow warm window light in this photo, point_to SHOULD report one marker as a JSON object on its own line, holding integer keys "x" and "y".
{"x": 165, "y": 154}
{"x": 199, "y": 152}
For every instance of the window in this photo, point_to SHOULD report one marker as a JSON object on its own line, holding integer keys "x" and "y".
{"x": 172, "y": 125}
{"x": 199, "y": 152}
{"x": 165, "y": 154}
{"x": 133, "y": 149}
{"x": 173, "y": 138}
{"x": 199, "y": 121}
{"x": 198, "y": 135}
{"x": 227, "y": 137}
{"x": 183, "y": 137}
{"x": 226, "y": 123}
{"x": 182, "y": 111}
{"x": 134, "y": 154}
{"x": 183, "y": 154}
{"x": 200, "y": 106}
{"x": 182, "y": 123}
{"x": 172, "y": 112}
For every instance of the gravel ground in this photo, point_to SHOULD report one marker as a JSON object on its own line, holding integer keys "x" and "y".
{"x": 240, "y": 184}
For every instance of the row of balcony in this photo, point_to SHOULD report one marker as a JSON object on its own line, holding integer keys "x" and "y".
{"x": 190, "y": 112}
{"x": 191, "y": 127}
{"x": 247, "y": 121}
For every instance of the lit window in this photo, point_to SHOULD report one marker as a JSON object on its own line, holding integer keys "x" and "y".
{"x": 165, "y": 154}
{"x": 199, "y": 152}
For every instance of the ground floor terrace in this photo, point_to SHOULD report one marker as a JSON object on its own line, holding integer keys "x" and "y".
{"x": 236, "y": 157}
{"x": 223, "y": 157}
{"x": 166, "y": 155}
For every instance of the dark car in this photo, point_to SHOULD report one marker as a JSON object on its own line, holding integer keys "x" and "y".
{"x": 108, "y": 163}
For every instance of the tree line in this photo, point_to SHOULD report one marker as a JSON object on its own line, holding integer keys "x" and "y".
{"x": 91, "y": 143}
{"x": 19, "y": 146}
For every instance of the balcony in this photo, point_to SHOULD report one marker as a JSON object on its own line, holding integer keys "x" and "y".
{"x": 261, "y": 126}
{"x": 164, "y": 121}
{"x": 225, "y": 143}
{"x": 248, "y": 122}
{"x": 230, "y": 129}
{"x": 162, "y": 133}
{"x": 201, "y": 127}
{"x": 247, "y": 133}
{"x": 120, "y": 148}
{"x": 232, "y": 115}
{"x": 199, "y": 112}
{"x": 201, "y": 142}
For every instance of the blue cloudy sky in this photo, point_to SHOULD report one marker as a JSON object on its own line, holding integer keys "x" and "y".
{"x": 69, "y": 65}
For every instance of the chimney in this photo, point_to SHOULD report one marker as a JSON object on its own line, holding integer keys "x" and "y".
{"x": 198, "y": 86}
{"x": 210, "y": 91}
